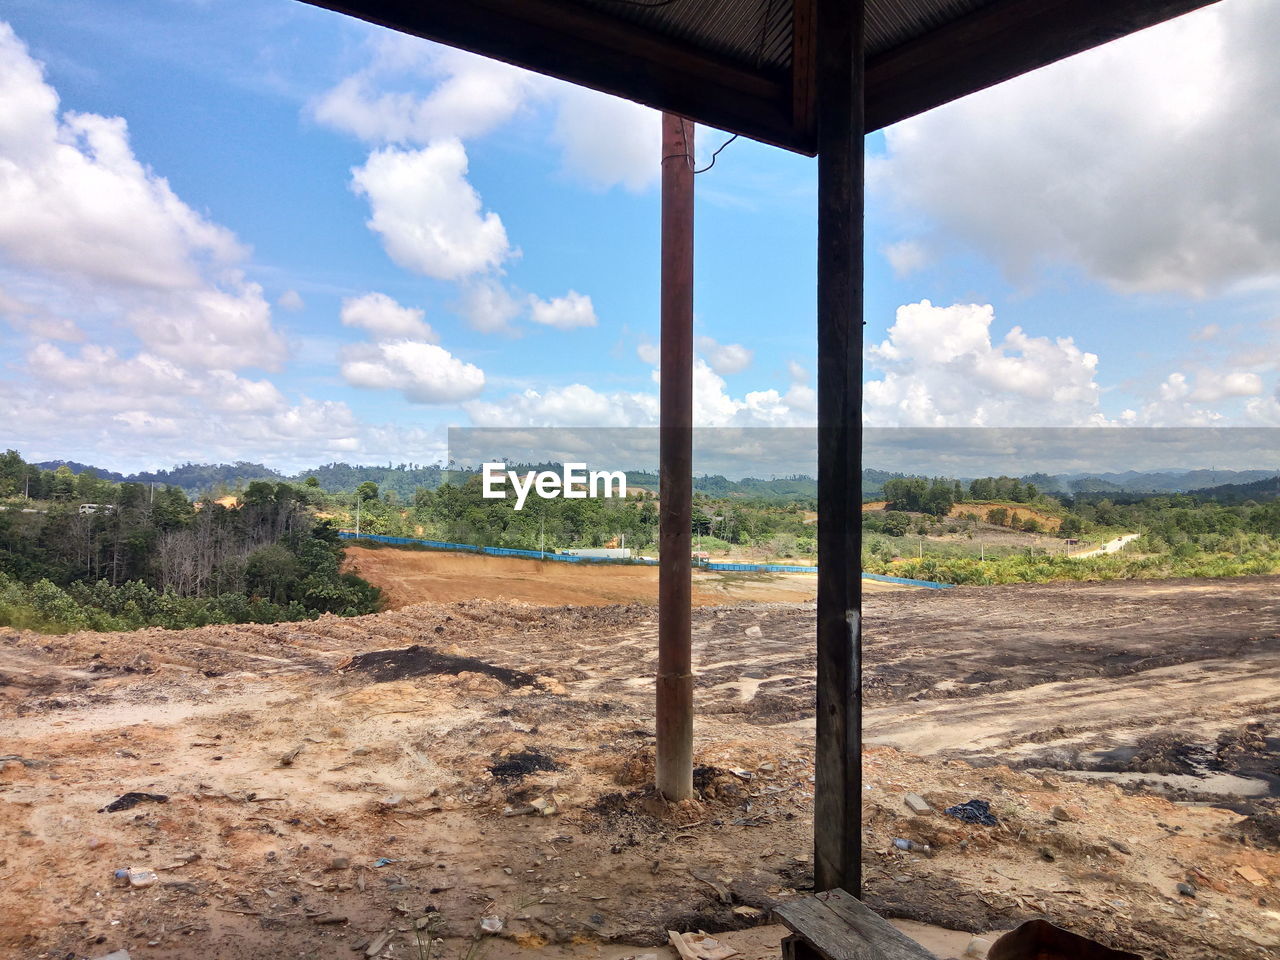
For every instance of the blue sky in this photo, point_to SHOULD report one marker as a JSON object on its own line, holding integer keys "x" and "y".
{"x": 311, "y": 239}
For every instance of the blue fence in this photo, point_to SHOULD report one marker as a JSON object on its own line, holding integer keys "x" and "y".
{"x": 568, "y": 558}
{"x": 487, "y": 551}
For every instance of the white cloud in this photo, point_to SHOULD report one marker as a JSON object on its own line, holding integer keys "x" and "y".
{"x": 724, "y": 358}
{"x": 86, "y": 224}
{"x": 423, "y": 372}
{"x": 489, "y": 306}
{"x": 290, "y": 300}
{"x": 37, "y": 321}
{"x": 1212, "y": 386}
{"x": 579, "y": 405}
{"x": 74, "y": 199}
{"x": 941, "y": 368}
{"x": 608, "y": 141}
{"x": 569, "y": 312}
{"x": 1148, "y": 162}
{"x": 385, "y": 319}
{"x": 428, "y": 215}
{"x": 906, "y": 257}
{"x": 576, "y": 405}
{"x": 467, "y": 96}
{"x": 649, "y": 353}
{"x": 1210, "y": 331}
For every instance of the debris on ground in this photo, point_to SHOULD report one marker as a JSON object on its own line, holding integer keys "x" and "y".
{"x": 917, "y": 804}
{"x": 131, "y": 799}
{"x": 973, "y": 811}
{"x": 699, "y": 946}
{"x": 383, "y": 666}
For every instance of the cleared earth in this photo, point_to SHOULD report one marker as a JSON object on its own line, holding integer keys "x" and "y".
{"x": 319, "y": 797}
{"x": 412, "y": 576}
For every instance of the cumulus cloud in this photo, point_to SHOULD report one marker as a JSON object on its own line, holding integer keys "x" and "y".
{"x": 87, "y": 223}
{"x": 423, "y": 372}
{"x": 385, "y": 319}
{"x": 428, "y": 215}
{"x": 1148, "y": 162}
{"x": 1212, "y": 386}
{"x": 607, "y": 141}
{"x": 724, "y": 358}
{"x": 467, "y": 95}
{"x": 569, "y": 312}
{"x": 941, "y": 367}
{"x": 290, "y": 300}
{"x": 906, "y": 257}
{"x": 488, "y": 306}
{"x": 579, "y": 405}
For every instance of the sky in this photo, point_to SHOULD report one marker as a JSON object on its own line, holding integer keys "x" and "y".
{"x": 264, "y": 231}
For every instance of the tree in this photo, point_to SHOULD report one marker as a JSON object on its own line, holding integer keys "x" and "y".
{"x": 64, "y": 484}
{"x": 312, "y": 481}
{"x": 367, "y": 491}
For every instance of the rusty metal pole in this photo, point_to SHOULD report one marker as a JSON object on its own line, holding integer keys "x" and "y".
{"x": 837, "y": 812}
{"x": 674, "y": 765}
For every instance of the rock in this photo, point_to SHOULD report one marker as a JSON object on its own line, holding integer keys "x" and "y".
{"x": 361, "y": 752}
{"x": 115, "y": 955}
{"x": 1187, "y": 890}
{"x": 978, "y": 947}
{"x": 378, "y": 943}
{"x": 339, "y": 863}
{"x": 1121, "y": 846}
{"x": 917, "y": 804}
{"x": 141, "y": 879}
{"x": 753, "y": 631}
{"x": 1062, "y": 813}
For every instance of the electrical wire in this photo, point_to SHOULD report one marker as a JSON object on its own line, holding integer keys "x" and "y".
{"x": 716, "y": 154}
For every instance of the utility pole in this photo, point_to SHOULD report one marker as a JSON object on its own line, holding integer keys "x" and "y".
{"x": 358, "y": 498}
{"x": 674, "y": 760}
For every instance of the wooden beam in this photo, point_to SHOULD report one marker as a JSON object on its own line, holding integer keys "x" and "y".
{"x": 674, "y": 755}
{"x": 836, "y": 926}
{"x": 837, "y": 814}
{"x": 587, "y": 46}
{"x": 997, "y": 42}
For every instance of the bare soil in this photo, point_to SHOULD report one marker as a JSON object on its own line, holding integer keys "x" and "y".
{"x": 331, "y": 782}
{"x": 413, "y": 576}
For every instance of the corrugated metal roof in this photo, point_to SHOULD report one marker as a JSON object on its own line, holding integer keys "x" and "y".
{"x": 757, "y": 33}
{"x": 728, "y": 63}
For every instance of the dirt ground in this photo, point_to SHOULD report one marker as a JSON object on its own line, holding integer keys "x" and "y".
{"x": 414, "y": 576}
{"x": 333, "y": 783}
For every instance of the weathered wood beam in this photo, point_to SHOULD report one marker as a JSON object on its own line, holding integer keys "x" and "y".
{"x": 837, "y": 826}
{"x": 674, "y": 753}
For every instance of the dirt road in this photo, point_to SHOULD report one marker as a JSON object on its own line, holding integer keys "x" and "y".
{"x": 318, "y": 799}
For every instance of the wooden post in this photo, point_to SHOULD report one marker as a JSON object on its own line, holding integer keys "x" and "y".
{"x": 837, "y": 826}
{"x": 674, "y": 763}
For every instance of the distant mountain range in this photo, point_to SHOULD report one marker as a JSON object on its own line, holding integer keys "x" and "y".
{"x": 404, "y": 478}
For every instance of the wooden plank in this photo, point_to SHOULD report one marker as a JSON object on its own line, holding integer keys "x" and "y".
{"x": 837, "y": 816}
{"x": 837, "y": 926}
{"x": 998, "y": 41}
{"x": 590, "y": 47}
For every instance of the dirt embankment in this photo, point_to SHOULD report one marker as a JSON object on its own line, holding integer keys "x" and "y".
{"x": 335, "y": 782}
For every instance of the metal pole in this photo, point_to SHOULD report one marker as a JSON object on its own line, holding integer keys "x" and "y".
{"x": 837, "y": 827}
{"x": 674, "y": 762}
